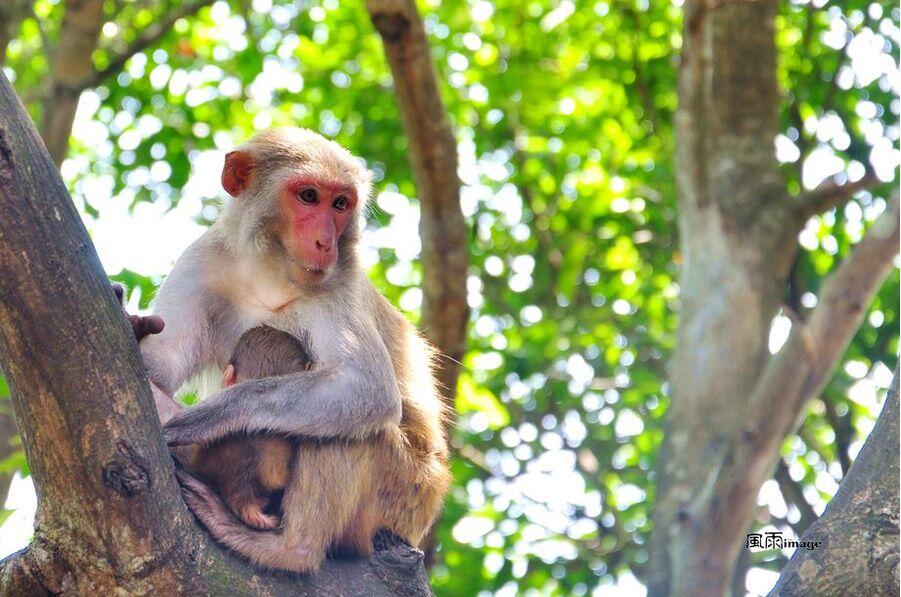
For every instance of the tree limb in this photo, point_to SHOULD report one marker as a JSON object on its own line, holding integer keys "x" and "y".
{"x": 80, "y": 395}
{"x": 802, "y": 368}
{"x": 793, "y": 376}
{"x": 73, "y": 69}
{"x": 847, "y": 293}
{"x": 42, "y": 31}
{"x": 858, "y": 532}
{"x": 843, "y": 429}
{"x": 12, "y": 13}
{"x": 70, "y": 63}
{"x": 433, "y": 154}
{"x": 832, "y": 193}
{"x": 146, "y": 38}
{"x": 792, "y": 493}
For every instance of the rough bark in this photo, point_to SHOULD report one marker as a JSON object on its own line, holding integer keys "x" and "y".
{"x": 12, "y": 13}
{"x": 732, "y": 404}
{"x": 110, "y": 516}
{"x": 730, "y": 278}
{"x": 859, "y": 531}
{"x": 71, "y": 63}
{"x": 433, "y": 154}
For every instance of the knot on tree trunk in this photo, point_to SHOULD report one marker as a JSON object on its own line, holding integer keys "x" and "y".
{"x": 126, "y": 474}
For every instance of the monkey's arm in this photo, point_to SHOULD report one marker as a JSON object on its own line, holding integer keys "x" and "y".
{"x": 350, "y": 398}
{"x": 183, "y": 346}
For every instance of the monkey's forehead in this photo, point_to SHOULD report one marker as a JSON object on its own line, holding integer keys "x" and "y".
{"x": 307, "y": 151}
{"x": 320, "y": 174}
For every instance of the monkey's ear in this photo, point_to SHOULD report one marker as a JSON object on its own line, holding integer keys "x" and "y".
{"x": 236, "y": 172}
{"x": 229, "y": 376}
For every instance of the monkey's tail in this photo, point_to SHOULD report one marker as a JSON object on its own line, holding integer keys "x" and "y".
{"x": 264, "y": 548}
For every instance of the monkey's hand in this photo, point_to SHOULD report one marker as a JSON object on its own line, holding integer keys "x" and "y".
{"x": 140, "y": 325}
{"x": 210, "y": 510}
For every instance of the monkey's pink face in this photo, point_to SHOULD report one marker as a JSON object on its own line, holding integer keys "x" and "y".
{"x": 316, "y": 212}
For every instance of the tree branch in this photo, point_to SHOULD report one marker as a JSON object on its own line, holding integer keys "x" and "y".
{"x": 70, "y": 63}
{"x": 80, "y": 395}
{"x": 792, "y": 493}
{"x": 796, "y": 374}
{"x": 802, "y": 368}
{"x": 794, "y": 107}
{"x": 832, "y": 193}
{"x": 847, "y": 293}
{"x": 12, "y": 13}
{"x": 146, "y": 38}
{"x": 843, "y": 429}
{"x": 42, "y": 31}
{"x": 858, "y": 532}
{"x": 433, "y": 154}
{"x": 73, "y": 70}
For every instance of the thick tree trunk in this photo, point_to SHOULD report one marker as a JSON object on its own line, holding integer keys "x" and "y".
{"x": 731, "y": 279}
{"x": 433, "y": 154}
{"x": 732, "y": 404}
{"x": 858, "y": 533}
{"x": 110, "y": 516}
{"x": 73, "y": 72}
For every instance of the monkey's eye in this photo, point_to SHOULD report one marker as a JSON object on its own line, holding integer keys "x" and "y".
{"x": 308, "y": 195}
{"x": 340, "y": 203}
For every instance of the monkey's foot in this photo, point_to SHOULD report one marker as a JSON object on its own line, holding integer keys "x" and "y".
{"x": 252, "y": 515}
{"x": 385, "y": 539}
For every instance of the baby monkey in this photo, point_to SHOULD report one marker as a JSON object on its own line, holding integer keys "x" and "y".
{"x": 250, "y": 472}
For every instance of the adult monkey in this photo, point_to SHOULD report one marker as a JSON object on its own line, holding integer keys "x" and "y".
{"x": 284, "y": 254}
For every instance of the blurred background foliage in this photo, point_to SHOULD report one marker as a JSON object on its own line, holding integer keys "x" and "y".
{"x": 564, "y": 115}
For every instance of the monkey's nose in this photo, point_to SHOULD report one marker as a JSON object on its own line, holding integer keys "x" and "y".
{"x": 324, "y": 247}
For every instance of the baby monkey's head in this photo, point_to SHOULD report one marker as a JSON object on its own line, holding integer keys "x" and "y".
{"x": 266, "y": 352}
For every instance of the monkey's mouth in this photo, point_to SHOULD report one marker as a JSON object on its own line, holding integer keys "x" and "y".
{"x": 315, "y": 271}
